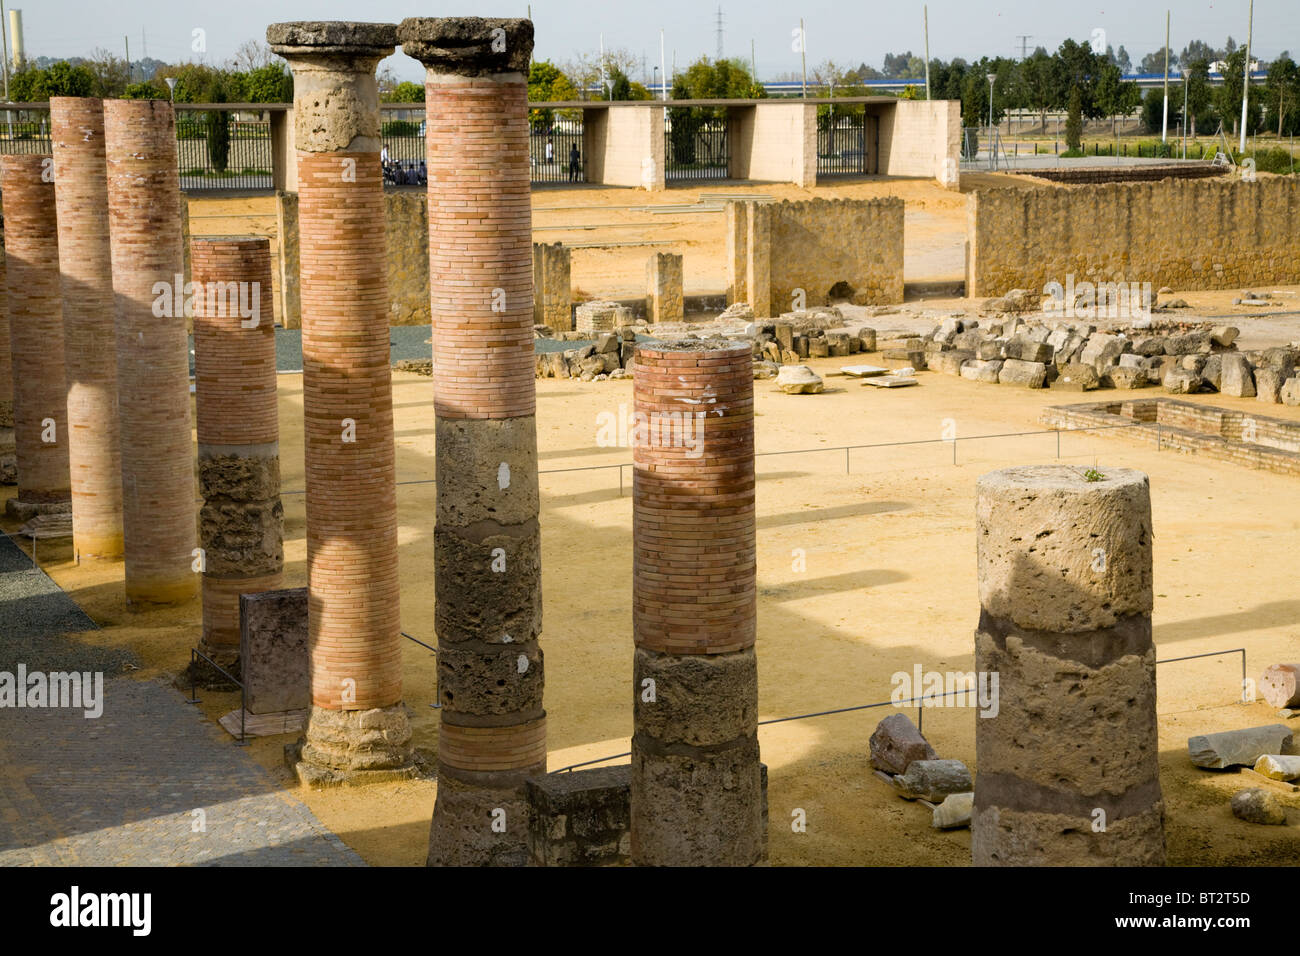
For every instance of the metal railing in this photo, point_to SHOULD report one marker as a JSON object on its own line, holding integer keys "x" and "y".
{"x": 243, "y": 691}
{"x": 217, "y": 151}
{"x": 696, "y": 145}
{"x": 842, "y": 147}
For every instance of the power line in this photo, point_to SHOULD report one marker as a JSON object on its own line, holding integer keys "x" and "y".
{"x": 1024, "y": 39}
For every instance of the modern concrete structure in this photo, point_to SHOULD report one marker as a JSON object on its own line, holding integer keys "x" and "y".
{"x": 85, "y": 264}
{"x": 487, "y": 545}
{"x": 241, "y": 524}
{"x": 1068, "y": 767}
{"x": 40, "y": 407}
{"x": 144, "y": 208}
{"x": 357, "y": 727}
{"x": 696, "y": 796}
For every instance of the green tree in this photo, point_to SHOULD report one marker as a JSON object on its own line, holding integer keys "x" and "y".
{"x": 1281, "y": 94}
{"x": 1200, "y": 106}
{"x": 1074, "y": 121}
{"x": 218, "y": 129}
{"x": 405, "y": 92}
{"x": 274, "y": 84}
{"x": 147, "y": 90}
{"x": 1038, "y": 84}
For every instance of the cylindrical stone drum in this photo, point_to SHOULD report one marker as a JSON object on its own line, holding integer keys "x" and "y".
{"x": 241, "y": 523}
{"x": 40, "y": 399}
{"x": 1067, "y": 766}
{"x": 696, "y": 787}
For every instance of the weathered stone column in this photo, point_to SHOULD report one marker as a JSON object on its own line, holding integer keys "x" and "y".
{"x": 552, "y": 286}
{"x": 81, "y": 194}
{"x": 241, "y": 524}
{"x": 1067, "y": 770}
{"x": 664, "y": 298}
{"x": 487, "y": 545}
{"x": 357, "y": 726}
{"x": 696, "y": 787}
{"x": 153, "y": 369}
{"x": 40, "y": 399}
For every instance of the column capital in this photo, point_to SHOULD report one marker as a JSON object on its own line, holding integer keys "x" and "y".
{"x": 303, "y": 39}
{"x": 469, "y": 46}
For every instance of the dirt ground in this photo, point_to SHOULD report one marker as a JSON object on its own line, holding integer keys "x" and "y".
{"x": 889, "y": 584}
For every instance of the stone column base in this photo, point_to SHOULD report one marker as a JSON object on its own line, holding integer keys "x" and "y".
{"x": 484, "y": 823}
{"x": 353, "y": 747}
{"x": 26, "y": 510}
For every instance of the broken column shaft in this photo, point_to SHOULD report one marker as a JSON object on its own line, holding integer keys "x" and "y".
{"x": 357, "y": 725}
{"x": 36, "y": 335}
{"x": 81, "y": 193}
{"x": 241, "y": 524}
{"x": 696, "y": 789}
{"x": 1067, "y": 770}
{"x": 487, "y": 547}
{"x": 153, "y": 370}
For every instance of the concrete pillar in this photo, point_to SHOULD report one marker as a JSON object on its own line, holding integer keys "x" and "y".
{"x": 153, "y": 369}
{"x": 35, "y": 335}
{"x": 552, "y": 286}
{"x": 487, "y": 545}
{"x": 357, "y": 725}
{"x": 241, "y": 524}
{"x": 663, "y": 297}
{"x": 1067, "y": 770}
{"x": 81, "y": 195}
{"x": 696, "y": 788}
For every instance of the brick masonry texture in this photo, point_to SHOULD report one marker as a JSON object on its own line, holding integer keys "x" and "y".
{"x": 144, "y": 205}
{"x": 1197, "y": 234}
{"x": 774, "y": 249}
{"x": 241, "y": 523}
{"x": 81, "y": 194}
{"x": 35, "y": 332}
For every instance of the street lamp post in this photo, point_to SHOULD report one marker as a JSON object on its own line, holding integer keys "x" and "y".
{"x": 992, "y": 153}
{"x": 1186, "y": 73}
{"x": 171, "y": 86}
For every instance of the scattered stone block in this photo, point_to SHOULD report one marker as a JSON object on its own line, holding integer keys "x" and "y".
{"x": 1268, "y": 384}
{"x": 1289, "y": 393}
{"x": 863, "y": 371}
{"x": 580, "y": 817}
{"x": 1181, "y": 381}
{"x": 1212, "y": 371}
{"x": 1127, "y": 377}
{"x": 896, "y": 744}
{"x": 1236, "y": 377}
{"x": 1102, "y": 349}
{"x": 1235, "y": 748}
{"x": 798, "y": 380}
{"x": 1026, "y": 374}
{"x": 1257, "y": 805}
{"x": 273, "y": 650}
{"x": 933, "y": 780}
{"x": 1077, "y": 378}
{"x": 819, "y": 348}
{"x": 954, "y": 812}
{"x": 1280, "y": 685}
{"x": 1279, "y": 766}
{"x": 1224, "y": 335}
{"x": 950, "y": 363}
{"x": 978, "y": 371}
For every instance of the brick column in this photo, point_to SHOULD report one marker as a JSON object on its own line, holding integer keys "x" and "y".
{"x": 1068, "y": 767}
{"x": 696, "y": 788}
{"x": 241, "y": 524}
{"x": 40, "y": 406}
{"x": 81, "y": 194}
{"x": 8, "y": 459}
{"x": 153, "y": 369}
{"x": 487, "y": 546}
{"x": 357, "y": 725}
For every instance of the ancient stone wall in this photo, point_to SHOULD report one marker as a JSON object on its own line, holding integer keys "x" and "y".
{"x": 663, "y": 298}
{"x": 552, "y": 286}
{"x": 1205, "y": 234}
{"x": 775, "y": 251}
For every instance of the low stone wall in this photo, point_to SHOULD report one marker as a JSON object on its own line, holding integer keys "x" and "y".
{"x": 792, "y": 255}
{"x": 1207, "y": 234}
{"x": 1172, "y": 425}
{"x": 1127, "y": 174}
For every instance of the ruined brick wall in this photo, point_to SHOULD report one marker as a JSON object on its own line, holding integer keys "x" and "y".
{"x": 1127, "y": 174}
{"x": 814, "y": 246}
{"x": 1207, "y": 234}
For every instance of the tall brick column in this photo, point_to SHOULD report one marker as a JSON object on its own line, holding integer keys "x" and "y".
{"x": 81, "y": 194}
{"x": 1068, "y": 768}
{"x": 153, "y": 369}
{"x": 241, "y": 524}
{"x": 487, "y": 545}
{"x": 357, "y": 726}
{"x": 35, "y": 335}
{"x": 8, "y": 459}
{"x": 696, "y": 789}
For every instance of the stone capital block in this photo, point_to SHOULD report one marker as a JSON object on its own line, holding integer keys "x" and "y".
{"x": 468, "y": 46}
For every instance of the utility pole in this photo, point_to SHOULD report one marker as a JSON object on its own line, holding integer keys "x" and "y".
{"x": 1164, "y": 121}
{"x": 803, "y": 56}
{"x": 1186, "y": 74}
{"x": 4, "y": 40}
{"x": 719, "y": 59}
{"x": 663, "y": 71}
{"x": 753, "y": 62}
{"x": 126, "y": 41}
{"x": 1245, "y": 87}
{"x": 925, "y": 10}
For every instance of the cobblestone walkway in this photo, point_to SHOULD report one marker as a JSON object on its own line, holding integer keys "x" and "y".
{"x": 147, "y": 783}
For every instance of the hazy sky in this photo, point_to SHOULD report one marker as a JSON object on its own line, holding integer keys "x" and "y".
{"x": 846, "y": 31}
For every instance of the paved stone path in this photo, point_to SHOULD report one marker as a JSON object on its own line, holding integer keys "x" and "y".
{"x": 149, "y": 782}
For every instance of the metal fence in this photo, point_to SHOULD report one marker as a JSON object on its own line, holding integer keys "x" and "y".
{"x": 25, "y": 133}
{"x": 696, "y": 145}
{"x": 218, "y": 151}
{"x": 555, "y": 152}
{"x": 842, "y": 147}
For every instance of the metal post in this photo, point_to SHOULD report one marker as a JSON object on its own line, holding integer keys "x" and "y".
{"x": 1245, "y": 86}
{"x": 1164, "y": 122}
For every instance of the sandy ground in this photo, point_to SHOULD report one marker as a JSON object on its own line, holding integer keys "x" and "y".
{"x": 889, "y": 584}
